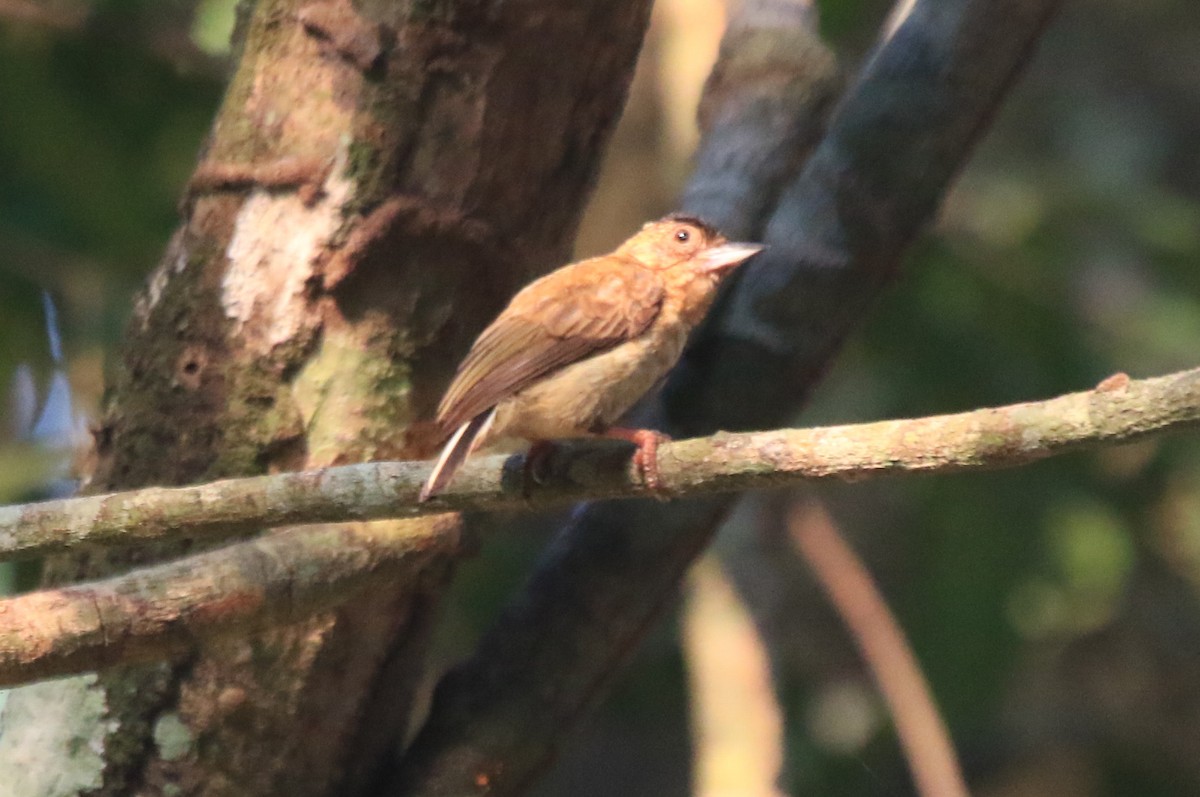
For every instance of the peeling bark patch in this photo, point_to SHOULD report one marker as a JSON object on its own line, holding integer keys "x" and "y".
{"x": 276, "y": 243}
{"x": 338, "y": 25}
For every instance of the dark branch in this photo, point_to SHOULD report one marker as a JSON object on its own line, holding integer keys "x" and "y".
{"x": 837, "y": 233}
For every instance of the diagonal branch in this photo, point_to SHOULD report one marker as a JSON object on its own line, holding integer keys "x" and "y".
{"x": 157, "y": 610}
{"x": 889, "y": 657}
{"x": 838, "y": 231}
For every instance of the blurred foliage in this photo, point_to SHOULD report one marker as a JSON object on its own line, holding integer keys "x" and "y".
{"x": 99, "y": 133}
{"x": 104, "y": 112}
{"x": 1054, "y": 608}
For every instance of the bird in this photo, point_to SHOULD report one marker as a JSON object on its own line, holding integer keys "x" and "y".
{"x": 575, "y": 349}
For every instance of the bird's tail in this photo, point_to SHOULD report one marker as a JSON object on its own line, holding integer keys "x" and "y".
{"x": 465, "y": 440}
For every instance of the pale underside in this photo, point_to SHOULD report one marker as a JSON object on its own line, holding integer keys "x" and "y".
{"x": 586, "y": 397}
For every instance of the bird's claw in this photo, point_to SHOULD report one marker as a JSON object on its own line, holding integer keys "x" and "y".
{"x": 645, "y": 458}
{"x": 533, "y": 470}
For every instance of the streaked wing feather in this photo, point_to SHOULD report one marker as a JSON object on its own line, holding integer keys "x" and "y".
{"x": 555, "y": 321}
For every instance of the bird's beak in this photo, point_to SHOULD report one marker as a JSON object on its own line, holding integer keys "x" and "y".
{"x": 726, "y": 256}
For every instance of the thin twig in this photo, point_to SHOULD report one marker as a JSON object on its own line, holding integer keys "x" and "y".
{"x": 853, "y": 593}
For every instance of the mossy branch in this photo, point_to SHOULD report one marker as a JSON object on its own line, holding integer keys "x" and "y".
{"x": 1120, "y": 409}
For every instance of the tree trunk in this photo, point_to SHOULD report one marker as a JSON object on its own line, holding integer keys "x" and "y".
{"x": 379, "y": 179}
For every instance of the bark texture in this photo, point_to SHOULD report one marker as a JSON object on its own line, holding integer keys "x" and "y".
{"x": 380, "y": 178}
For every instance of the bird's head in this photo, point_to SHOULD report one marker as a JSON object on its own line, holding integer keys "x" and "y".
{"x": 681, "y": 243}
{"x": 690, "y": 254}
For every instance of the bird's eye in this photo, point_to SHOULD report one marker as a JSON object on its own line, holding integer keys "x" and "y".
{"x": 682, "y": 236}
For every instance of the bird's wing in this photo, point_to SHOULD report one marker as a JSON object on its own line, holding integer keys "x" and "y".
{"x": 555, "y": 321}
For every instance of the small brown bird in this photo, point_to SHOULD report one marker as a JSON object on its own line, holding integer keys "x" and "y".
{"x": 577, "y": 348}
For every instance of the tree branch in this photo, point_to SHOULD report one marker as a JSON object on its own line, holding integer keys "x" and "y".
{"x": 1120, "y": 409}
{"x": 165, "y": 609}
{"x": 157, "y": 610}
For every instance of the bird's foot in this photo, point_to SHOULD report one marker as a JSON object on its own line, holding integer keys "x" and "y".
{"x": 646, "y": 456}
{"x": 533, "y": 471}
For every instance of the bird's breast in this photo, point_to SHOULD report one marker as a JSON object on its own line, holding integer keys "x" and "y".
{"x": 593, "y": 392}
